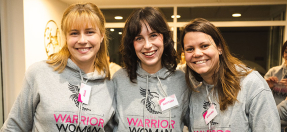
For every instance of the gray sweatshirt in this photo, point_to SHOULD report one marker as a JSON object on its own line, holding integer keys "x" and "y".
{"x": 279, "y": 96}
{"x": 255, "y": 110}
{"x": 137, "y": 103}
{"x": 48, "y": 101}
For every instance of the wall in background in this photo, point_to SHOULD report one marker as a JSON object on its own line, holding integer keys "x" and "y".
{"x": 36, "y": 15}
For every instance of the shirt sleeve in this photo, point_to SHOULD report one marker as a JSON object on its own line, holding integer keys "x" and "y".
{"x": 21, "y": 116}
{"x": 263, "y": 114}
{"x": 268, "y": 74}
{"x": 282, "y": 109}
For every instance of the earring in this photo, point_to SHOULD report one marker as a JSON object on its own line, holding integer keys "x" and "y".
{"x": 219, "y": 53}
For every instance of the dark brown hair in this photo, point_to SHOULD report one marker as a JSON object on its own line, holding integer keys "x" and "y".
{"x": 226, "y": 77}
{"x": 283, "y": 48}
{"x": 157, "y": 23}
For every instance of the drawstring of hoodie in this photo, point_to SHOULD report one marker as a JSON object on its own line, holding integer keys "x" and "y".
{"x": 146, "y": 94}
{"x": 80, "y": 103}
{"x": 165, "y": 96}
{"x": 210, "y": 102}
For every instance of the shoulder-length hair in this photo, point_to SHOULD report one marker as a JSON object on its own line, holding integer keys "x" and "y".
{"x": 75, "y": 16}
{"x": 154, "y": 18}
{"x": 226, "y": 77}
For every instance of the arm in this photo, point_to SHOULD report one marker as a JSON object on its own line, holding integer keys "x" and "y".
{"x": 263, "y": 115}
{"x": 21, "y": 115}
{"x": 282, "y": 109}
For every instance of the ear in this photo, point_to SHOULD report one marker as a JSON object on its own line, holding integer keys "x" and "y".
{"x": 219, "y": 50}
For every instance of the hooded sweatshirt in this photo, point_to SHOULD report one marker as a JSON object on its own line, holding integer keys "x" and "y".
{"x": 255, "y": 110}
{"x": 138, "y": 107}
{"x": 279, "y": 96}
{"x": 48, "y": 101}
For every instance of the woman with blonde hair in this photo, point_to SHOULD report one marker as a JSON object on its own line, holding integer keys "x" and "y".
{"x": 227, "y": 96}
{"x": 70, "y": 91}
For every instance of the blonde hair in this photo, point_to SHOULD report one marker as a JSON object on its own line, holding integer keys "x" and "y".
{"x": 79, "y": 15}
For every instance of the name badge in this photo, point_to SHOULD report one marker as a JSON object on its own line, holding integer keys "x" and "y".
{"x": 84, "y": 94}
{"x": 168, "y": 102}
{"x": 210, "y": 114}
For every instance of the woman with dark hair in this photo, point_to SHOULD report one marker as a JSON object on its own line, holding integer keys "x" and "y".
{"x": 151, "y": 94}
{"x": 279, "y": 88}
{"x": 227, "y": 96}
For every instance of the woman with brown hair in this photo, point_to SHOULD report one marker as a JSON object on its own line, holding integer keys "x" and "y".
{"x": 227, "y": 96}
{"x": 70, "y": 91}
{"x": 151, "y": 94}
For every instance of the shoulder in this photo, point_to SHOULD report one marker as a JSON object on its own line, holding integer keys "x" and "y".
{"x": 253, "y": 84}
{"x": 37, "y": 67}
{"x": 38, "y": 70}
{"x": 120, "y": 74}
{"x": 274, "y": 69}
{"x": 179, "y": 73}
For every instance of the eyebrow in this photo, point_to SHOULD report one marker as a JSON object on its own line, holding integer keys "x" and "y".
{"x": 90, "y": 29}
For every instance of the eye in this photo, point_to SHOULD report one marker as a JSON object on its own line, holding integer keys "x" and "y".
{"x": 91, "y": 32}
{"x": 138, "y": 39}
{"x": 205, "y": 46}
{"x": 73, "y": 33}
{"x": 154, "y": 35}
{"x": 189, "y": 50}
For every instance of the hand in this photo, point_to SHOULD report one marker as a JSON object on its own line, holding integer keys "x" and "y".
{"x": 283, "y": 81}
{"x": 272, "y": 80}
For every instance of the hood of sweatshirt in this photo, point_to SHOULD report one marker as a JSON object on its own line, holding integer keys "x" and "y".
{"x": 163, "y": 73}
{"x": 89, "y": 76}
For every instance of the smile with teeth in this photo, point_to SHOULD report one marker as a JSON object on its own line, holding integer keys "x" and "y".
{"x": 83, "y": 49}
{"x": 200, "y": 62}
{"x": 149, "y": 53}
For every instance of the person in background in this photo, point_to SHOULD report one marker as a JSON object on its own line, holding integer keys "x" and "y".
{"x": 71, "y": 91}
{"x": 182, "y": 64}
{"x": 276, "y": 78}
{"x": 114, "y": 67}
{"x": 227, "y": 96}
{"x": 151, "y": 94}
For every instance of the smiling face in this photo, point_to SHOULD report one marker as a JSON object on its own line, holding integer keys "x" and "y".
{"x": 149, "y": 48}
{"x": 84, "y": 43}
{"x": 201, "y": 53}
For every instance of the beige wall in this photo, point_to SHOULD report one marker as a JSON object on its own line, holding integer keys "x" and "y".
{"x": 36, "y": 15}
{"x": 13, "y": 53}
{"x": 19, "y": 17}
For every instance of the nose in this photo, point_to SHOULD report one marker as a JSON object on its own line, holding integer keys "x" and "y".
{"x": 147, "y": 44}
{"x": 197, "y": 53}
{"x": 82, "y": 39}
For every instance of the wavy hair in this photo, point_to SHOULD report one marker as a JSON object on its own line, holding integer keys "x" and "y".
{"x": 226, "y": 77}
{"x": 75, "y": 16}
{"x": 154, "y": 18}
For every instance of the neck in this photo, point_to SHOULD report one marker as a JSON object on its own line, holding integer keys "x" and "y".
{"x": 151, "y": 69}
{"x": 208, "y": 79}
{"x": 87, "y": 67}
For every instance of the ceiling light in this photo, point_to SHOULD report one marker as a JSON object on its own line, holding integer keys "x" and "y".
{"x": 120, "y": 33}
{"x": 112, "y": 29}
{"x": 177, "y": 16}
{"x": 118, "y": 17}
{"x": 236, "y": 15}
